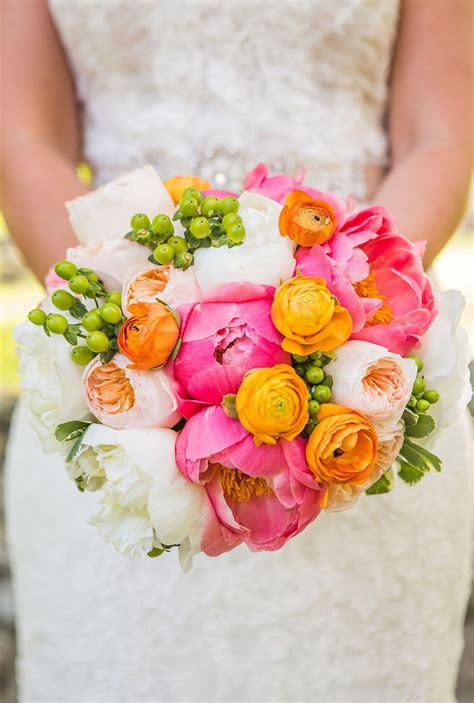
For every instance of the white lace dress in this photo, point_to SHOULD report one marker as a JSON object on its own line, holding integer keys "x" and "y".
{"x": 363, "y": 606}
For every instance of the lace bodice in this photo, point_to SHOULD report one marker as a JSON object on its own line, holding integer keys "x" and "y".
{"x": 212, "y": 88}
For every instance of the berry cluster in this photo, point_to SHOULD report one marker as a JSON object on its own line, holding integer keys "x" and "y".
{"x": 207, "y": 222}
{"x": 420, "y": 400}
{"x": 311, "y": 370}
{"x": 98, "y": 327}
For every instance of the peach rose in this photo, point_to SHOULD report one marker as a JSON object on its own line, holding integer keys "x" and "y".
{"x": 309, "y": 317}
{"x": 149, "y": 336}
{"x": 177, "y": 185}
{"x": 272, "y": 404}
{"x": 343, "y": 447}
{"x": 151, "y": 283}
{"x": 124, "y": 398}
{"x": 305, "y": 220}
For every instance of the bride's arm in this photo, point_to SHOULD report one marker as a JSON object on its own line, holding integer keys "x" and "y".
{"x": 40, "y": 138}
{"x": 430, "y": 121}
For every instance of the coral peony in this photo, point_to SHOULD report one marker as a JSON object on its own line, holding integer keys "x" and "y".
{"x": 309, "y": 317}
{"x": 225, "y": 335}
{"x": 255, "y": 493}
{"x": 272, "y": 404}
{"x": 149, "y": 336}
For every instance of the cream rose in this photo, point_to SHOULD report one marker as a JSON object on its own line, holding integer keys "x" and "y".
{"x": 125, "y": 398}
{"x": 265, "y": 257}
{"x": 146, "y": 501}
{"x": 105, "y": 213}
{"x": 149, "y": 283}
{"x": 378, "y": 383}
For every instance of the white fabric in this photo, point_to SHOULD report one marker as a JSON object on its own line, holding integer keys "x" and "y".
{"x": 365, "y": 605}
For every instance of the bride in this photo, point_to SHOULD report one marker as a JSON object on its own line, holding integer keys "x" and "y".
{"x": 372, "y": 97}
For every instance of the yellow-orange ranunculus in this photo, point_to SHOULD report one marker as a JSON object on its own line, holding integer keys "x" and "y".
{"x": 272, "y": 404}
{"x": 343, "y": 446}
{"x": 177, "y": 185}
{"x": 305, "y": 220}
{"x": 309, "y": 317}
{"x": 149, "y": 336}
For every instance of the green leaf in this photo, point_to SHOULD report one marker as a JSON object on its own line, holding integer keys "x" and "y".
{"x": 78, "y": 310}
{"x": 75, "y": 451}
{"x": 409, "y": 473}
{"x": 177, "y": 215}
{"x": 70, "y": 336}
{"x": 230, "y": 408}
{"x": 410, "y": 418}
{"x": 383, "y": 485}
{"x": 152, "y": 260}
{"x": 70, "y": 430}
{"x": 107, "y": 356}
{"x": 422, "y": 428}
{"x": 419, "y": 456}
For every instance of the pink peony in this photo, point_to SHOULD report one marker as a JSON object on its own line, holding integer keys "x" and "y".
{"x": 225, "y": 335}
{"x": 262, "y": 496}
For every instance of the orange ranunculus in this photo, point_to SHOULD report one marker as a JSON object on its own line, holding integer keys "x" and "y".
{"x": 272, "y": 404}
{"x": 309, "y": 317}
{"x": 177, "y": 185}
{"x": 343, "y": 446}
{"x": 149, "y": 336}
{"x": 305, "y": 220}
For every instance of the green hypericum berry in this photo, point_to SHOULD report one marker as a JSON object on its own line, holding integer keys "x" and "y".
{"x": 79, "y": 284}
{"x": 97, "y": 342}
{"x": 89, "y": 274}
{"x": 179, "y": 244}
{"x": 300, "y": 370}
{"x": 299, "y": 359}
{"x": 65, "y": 269}
{"x": 209, "y": 206}
{"x": 62, "y": 299}
{"x": 199, "y": 227}
{"x": 236, "y": 233}
{"x": 228, "y": 205}
{"x": 412, "y": 402}
{"x": 114, "y": 297}
{"x": 189, "y": 207}
{"x": 140, "y": 221}
{"x": 37, "y": 317}
{"x": 161, "y": 224}
{"x": 422, "y": 405}
{"x": 92, "y": 321}
{"x": 418, "y": 386}
{"x": 417, "y": 360}
{"x": 315, "y": 356}
{"x": 110, "y": 313}
{"x": 314, "y": 375}
{"x": 82, "y": 355}
{"x": 164, "y": 254}
{"x": 322, "y": 394}
{"x": 313, "y": 408}
{"x": 232, "y": 218}
{"x": 192, "y": 193}
{"x": 431, "y": 396}
{"x": 57, "y": 324}
{"x": 183, "y": 260}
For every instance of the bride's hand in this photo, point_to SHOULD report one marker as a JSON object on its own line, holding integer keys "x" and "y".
{"x": 430, "y": 121}
{"x": 40, "y": 137}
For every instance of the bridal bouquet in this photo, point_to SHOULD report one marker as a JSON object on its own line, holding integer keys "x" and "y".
{"x": 222, "y": 367}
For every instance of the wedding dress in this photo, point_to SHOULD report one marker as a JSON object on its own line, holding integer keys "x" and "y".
{"x": 365, "y": 605}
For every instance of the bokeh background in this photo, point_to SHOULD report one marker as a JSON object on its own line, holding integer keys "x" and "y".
{"x": 19, "y": 292}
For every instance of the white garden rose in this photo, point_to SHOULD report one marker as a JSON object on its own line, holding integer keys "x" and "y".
{"x": 111, "y": 260}
{"x": 105, "y": 213}
{"x": 374, "y": 381}
{"x": 50, "y": 382}
{"x": 125, "y": 398}
{"x": 445, "y": 354}
{"x": 264, "y": 257}
{"x": 143, "y": 488}
{"x": 149, "y": 283}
